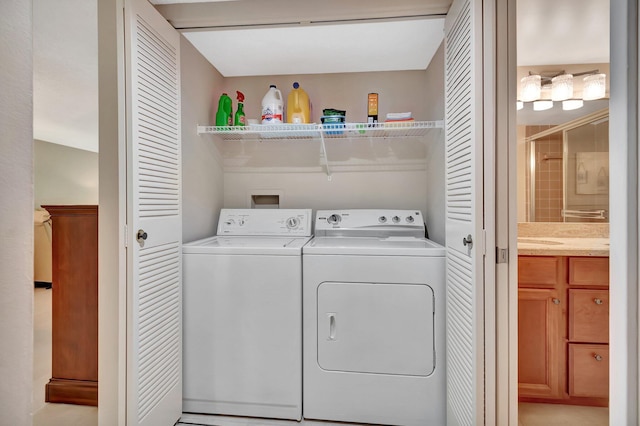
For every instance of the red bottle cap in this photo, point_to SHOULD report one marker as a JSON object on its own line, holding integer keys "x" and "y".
{"x": 240, "y": 96}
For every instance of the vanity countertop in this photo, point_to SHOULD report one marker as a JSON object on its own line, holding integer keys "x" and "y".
{"x": 563, "y": 246}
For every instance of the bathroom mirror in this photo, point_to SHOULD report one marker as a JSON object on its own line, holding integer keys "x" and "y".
{"x": 568, "y": 170}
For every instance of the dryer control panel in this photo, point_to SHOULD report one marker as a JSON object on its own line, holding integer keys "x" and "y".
{"x": 265, "y": 222}
{"x": 369, "y": 223}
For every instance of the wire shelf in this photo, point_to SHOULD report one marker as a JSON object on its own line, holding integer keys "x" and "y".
{"x": 400, "y": 129}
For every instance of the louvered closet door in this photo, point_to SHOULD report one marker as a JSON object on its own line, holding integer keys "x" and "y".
{"x": 464, "y": 214}
{"x": 154, "y": 323}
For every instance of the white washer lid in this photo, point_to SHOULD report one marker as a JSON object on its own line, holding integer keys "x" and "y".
{"x": 282, "y": 246}
{"x": 374, "y": 246}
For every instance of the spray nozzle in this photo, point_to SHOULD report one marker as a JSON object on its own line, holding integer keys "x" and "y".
{"x": 240, "y": 96}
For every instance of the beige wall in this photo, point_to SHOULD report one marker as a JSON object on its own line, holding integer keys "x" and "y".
{"x": 417, "y": 91}
{"x": 16, "y": 211}
{"x": 522, "y": 181}
{"x": 435, "y": 183}
{"x": 64, "y": 175}
{"x": 398, "y": 91}
{"x": 202, "y": 176}
{"x": 403, "y": 190}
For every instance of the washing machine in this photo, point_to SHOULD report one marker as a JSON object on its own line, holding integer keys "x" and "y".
{"x": 242, "y": 315}
{"x": 374, "y": 320}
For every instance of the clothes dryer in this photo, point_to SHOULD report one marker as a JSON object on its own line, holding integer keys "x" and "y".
{"x": 242, "y": 349}
{"x": 373, "y": 320}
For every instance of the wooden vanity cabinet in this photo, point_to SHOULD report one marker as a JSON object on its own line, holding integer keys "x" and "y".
{"x": 540, "y": 318}
{"x": 74, "y": 347}
{"x": 563, "y": 329}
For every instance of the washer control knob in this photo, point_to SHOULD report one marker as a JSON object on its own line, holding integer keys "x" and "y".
{"x": 410, "y": 219}
{"x": 382, "y": 219}
{"x": 240, "y": 222}
{"x": 293, "y": 222}
{"x": 230, "y": 222}
{"x": 395, "y": 219}
{"x": 334, "y": 219}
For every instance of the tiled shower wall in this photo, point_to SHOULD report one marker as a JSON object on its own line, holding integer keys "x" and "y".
{"x": 548, "y": 175}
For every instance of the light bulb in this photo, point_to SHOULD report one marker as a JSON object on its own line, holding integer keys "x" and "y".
{"x": 562, "y": 87}
{"x": 571, "y": 104}
{"x": 530, "y": 88}
{"x": 542, "y": 105}
{"x": 595, "y": 87}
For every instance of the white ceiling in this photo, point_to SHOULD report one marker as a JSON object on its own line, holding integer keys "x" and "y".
{"x": 321, "y": 49}
{"x": 66, "y": 70}
{"x": 562, "y": 32}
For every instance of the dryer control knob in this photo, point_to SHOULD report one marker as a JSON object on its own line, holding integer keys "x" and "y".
{"x": 410, "y": 219}
{"x": 293, "y": 222}
{"x": 334, "y": 219}
{"x": 395, "y": 219}
{"x": 382, "y": 219}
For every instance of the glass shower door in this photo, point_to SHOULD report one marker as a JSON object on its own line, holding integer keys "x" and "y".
{"x": 586, "y": 172}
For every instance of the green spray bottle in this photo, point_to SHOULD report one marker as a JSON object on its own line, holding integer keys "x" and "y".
{"x": 240, "y": 119}
{"x": 224, "y": 116}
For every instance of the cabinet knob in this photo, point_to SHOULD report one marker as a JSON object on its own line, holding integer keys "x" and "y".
{"x": 597, "y": 301}
{"x": 597, "y": 357}
{"x": 555, "y": 301}
{"x": 467, "y": 241}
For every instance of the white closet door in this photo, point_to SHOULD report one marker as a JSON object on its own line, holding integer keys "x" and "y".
{"x": 464, "y": 213}
{"x": 154, "y": 296}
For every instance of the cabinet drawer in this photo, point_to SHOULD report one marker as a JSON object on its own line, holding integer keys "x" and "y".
{"x": 589, "y": 316}
{"x": 589, "y": 271}
{"x": 539, "y": 270}
{"x": 588, "y": 370}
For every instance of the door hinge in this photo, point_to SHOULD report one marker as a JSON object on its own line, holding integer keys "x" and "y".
{"x": 484, "y": 242}
{"x": 502, "y": 255}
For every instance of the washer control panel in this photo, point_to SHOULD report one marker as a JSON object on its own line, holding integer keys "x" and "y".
{"x": 368, "y": 222}
{"x": 266, "y": 222}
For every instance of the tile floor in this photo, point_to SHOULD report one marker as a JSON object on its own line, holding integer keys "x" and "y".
{"x": 76, "y": 415}
{"x": 561, "y": 415}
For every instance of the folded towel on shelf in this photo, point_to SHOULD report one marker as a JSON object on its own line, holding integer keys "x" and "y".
{"x": 398, "y": 116}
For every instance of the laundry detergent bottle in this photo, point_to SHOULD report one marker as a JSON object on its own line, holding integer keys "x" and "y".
{"x": 224, "y": 116}
{"x": 272, "y": 106}
{"x": 298, "y": 105}
{"x": 240, "y": 119}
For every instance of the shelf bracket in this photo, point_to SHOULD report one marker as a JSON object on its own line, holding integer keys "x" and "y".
{"x": 324, "y": 155}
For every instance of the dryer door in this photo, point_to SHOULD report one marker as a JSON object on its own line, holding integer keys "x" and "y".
{"x": 376, "y": 328}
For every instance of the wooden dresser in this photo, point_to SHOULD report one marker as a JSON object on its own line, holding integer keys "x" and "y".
{"x": 74, "y": 353}
{"x": 563, "y": 329}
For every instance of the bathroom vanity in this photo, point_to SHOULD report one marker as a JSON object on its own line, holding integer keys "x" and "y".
{"x": 563, "y": 320}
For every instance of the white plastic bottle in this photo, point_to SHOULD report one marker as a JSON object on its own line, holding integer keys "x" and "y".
{"x": 272, "y": 106}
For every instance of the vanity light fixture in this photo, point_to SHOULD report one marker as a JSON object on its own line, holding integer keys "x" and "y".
{"x": 545, "y": 88}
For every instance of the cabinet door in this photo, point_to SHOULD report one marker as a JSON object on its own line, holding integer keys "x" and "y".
{"x": 589, "y": 271}
{"x": 540, "y": 271}
{"x": 589, "y": 370}
{"x": 589, "y": 316}
{"x": 540, "y": 355}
